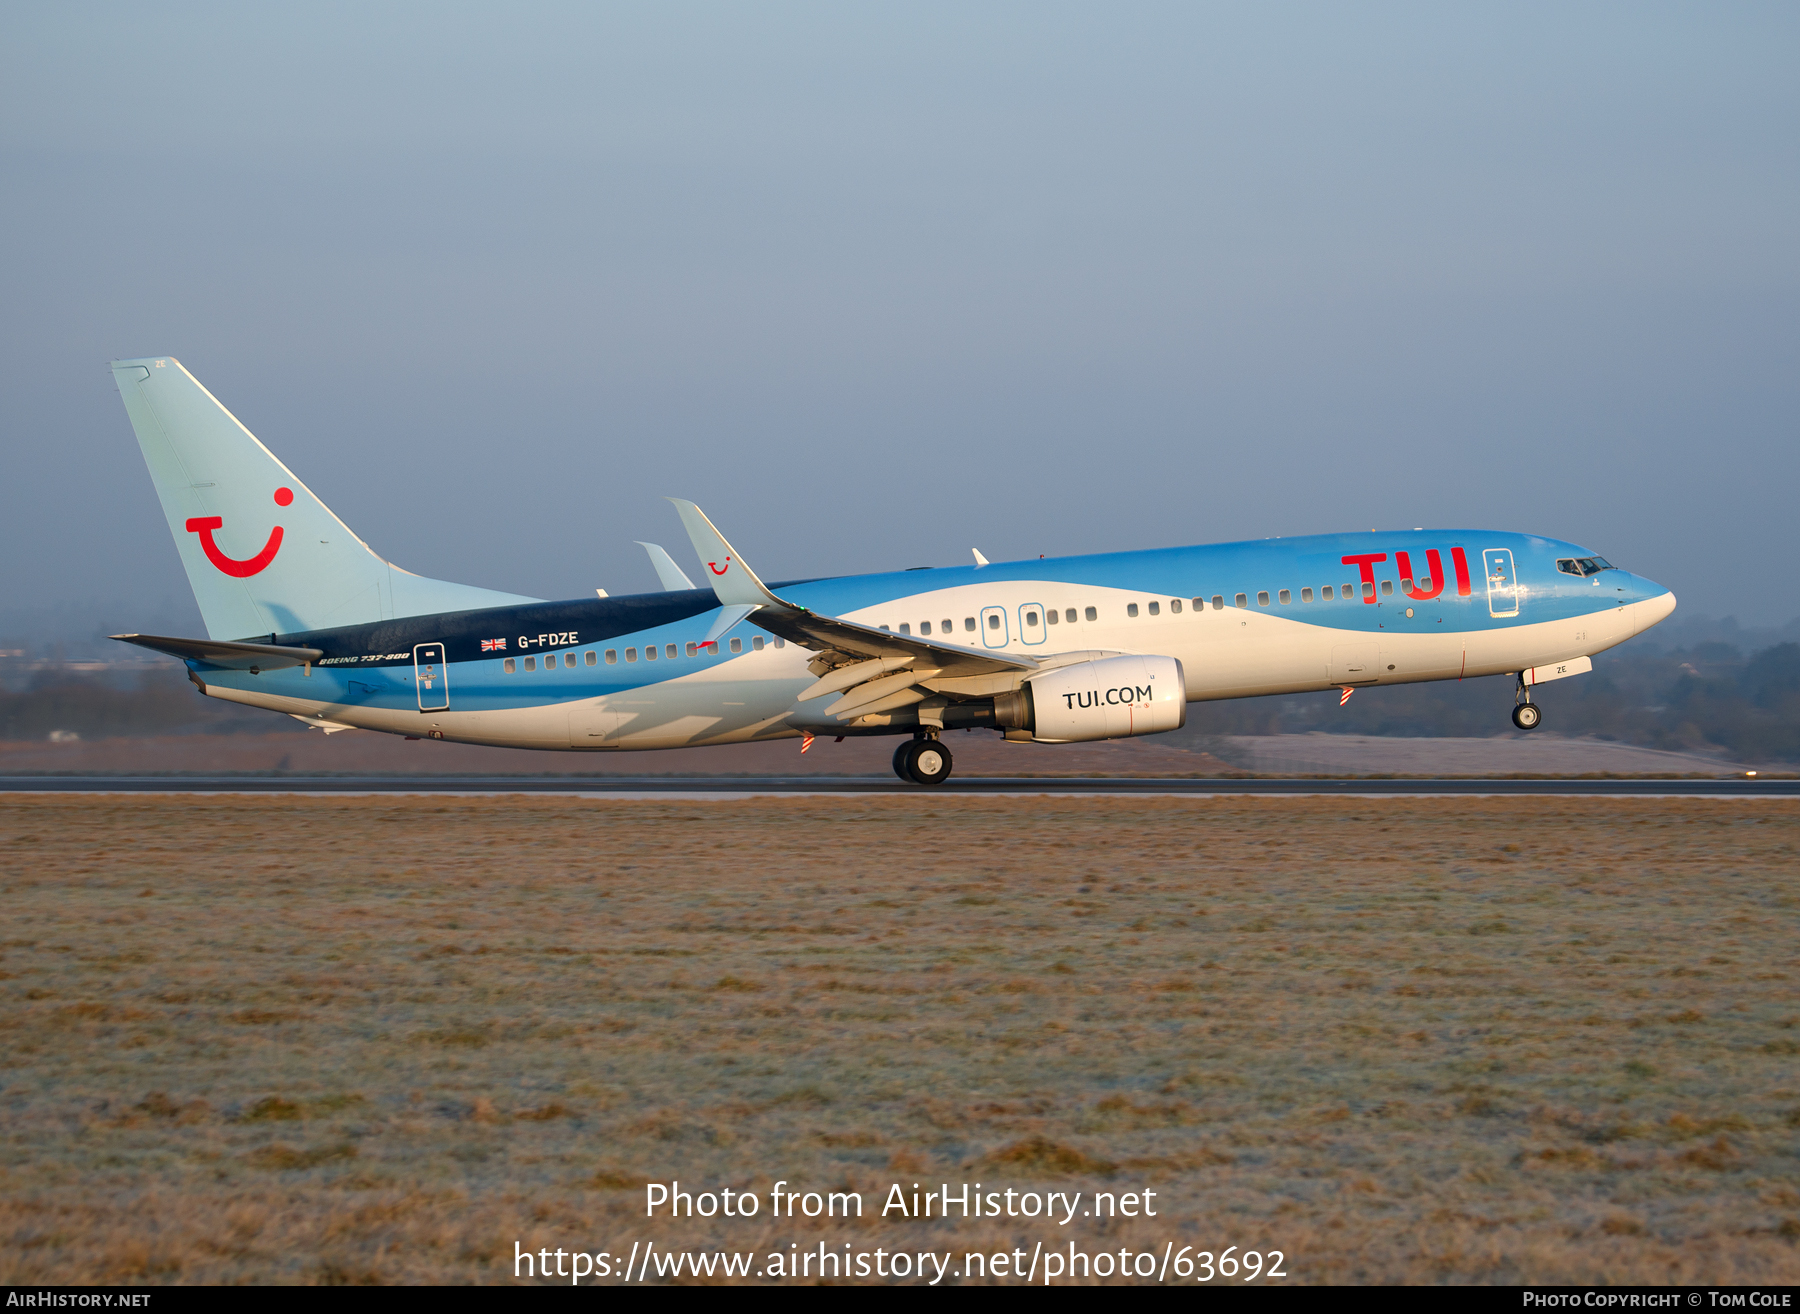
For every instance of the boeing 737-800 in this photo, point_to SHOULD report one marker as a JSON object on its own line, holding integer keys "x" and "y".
{"x": 303, "y": 618}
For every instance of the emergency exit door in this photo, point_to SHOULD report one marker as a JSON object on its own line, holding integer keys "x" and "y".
{"x": 432, "y": 679}
{"x": 1502, "y": 586}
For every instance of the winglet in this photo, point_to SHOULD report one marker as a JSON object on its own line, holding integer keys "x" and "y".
{"x": 726, "y": 621}
{"x": 732, "y": 580}
{"x": 979, "y": 559}
{"x": 673, "y": 577}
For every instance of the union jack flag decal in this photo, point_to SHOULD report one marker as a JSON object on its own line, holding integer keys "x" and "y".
{"x": 493, "y": 645}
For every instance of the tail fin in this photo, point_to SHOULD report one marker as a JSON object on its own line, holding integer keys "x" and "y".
{"x": 264, "y": 556}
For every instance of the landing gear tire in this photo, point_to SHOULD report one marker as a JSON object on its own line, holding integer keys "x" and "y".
{"x": 927, "y": 761}
{"x": 1527, "y": 716}
{"x": 900, "y": 753}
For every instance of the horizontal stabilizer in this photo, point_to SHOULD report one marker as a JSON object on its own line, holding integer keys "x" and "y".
{"x": 229, "y": 656}
{"x": 673, "y": 577}
{"x": 320, "y": 723}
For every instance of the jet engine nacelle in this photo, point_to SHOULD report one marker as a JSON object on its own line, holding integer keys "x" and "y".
{"x": 1112, "y": 698}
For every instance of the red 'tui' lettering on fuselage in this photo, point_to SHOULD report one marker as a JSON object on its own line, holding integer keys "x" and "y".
{"x": 1433, "y": 562}
{"x": 1367, "y": 563}
{"x": 1461, "y": 563}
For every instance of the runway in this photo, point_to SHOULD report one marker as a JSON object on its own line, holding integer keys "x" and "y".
{"x": 717, "y": 786}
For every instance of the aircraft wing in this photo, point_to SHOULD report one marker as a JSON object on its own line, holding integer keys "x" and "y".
{"x": 827, "y": 633}
{"x": 851, "y": 655}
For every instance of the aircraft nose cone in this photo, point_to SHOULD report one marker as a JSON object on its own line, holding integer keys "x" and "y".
{"x": 1652, "y": 610}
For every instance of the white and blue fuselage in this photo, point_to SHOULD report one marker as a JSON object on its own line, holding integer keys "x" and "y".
{"x": 303, "y": 617}
{"x": 1243, "y": 619}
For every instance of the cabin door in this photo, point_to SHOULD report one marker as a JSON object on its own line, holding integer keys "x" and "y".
{"x": 431, "y": 677}
{"x": 1502, "y": 586}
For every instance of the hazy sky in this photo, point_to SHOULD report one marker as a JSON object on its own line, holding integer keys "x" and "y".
{"x": 877, "y": 284}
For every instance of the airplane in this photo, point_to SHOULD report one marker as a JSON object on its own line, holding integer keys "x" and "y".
{"x": 303, "y": 618}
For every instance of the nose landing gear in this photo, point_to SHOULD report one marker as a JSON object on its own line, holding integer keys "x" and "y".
{"x": 1527, "y": 715}
{"x": 922, "y": 761}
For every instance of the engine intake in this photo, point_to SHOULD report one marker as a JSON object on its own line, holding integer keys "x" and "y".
{"x": 1113, "y": 698}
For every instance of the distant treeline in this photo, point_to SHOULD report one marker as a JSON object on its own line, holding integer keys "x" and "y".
{"x": 156, "y": 702}
{"x": 1709, "y": 695}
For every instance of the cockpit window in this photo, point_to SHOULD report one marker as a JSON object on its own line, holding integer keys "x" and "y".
{"x": 1584, "y": 566}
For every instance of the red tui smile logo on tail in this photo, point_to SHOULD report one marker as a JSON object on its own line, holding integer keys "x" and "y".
{"x": 204, "y": 526}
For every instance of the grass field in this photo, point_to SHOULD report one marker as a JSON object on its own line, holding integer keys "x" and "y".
{"x": 384, "y": 1039}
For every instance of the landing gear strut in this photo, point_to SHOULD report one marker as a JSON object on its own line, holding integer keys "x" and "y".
{"x": 923, "y": 761}
{"x": 1527, "y": 715}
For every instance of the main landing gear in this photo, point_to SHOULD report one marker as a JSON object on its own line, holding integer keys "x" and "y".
{"x": 1527, "y": 715}
{"x": 922, "y": 761}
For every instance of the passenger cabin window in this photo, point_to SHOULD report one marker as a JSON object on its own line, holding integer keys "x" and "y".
{"x": 1156, "y": 609}
{"x": 1031, "y": 619}
{"x": 994, "y": 622}
{"x": 1131, "y": 609}
{"x": 1175, "y": 606}
{"x": 1262, "y": 598}
{"x": 1286, "y": 597}
{"x": 1347, "y": 592}
{"x": 737, "y": 645}
{"x": 531, "y": 663}
{"x": 612, "y": 656}
{"x": 1218, "y": 602}
{"x": 1325, "y": 593}
{"x": 1069, "y": 615}
{"x": 1368, "y": 589}
{"x": 568, "y": 659}
{"x": 1242, "y": 601}
{"x": 757, "y": 643}
{"x": 1306, "y": 595}
{"x": 693, "y": 649}
{"x": 631, "y": 654}
{"x": 510, "y": 668}
{"x": 781, "y": 643}
{"x": 924, "y": 627}
{"x": 906, "y": 629}
{"x": 649, "y": 652}
{"x": 946, "y": 627}
{"x": 1053, "y": 616}
{"x": 1091, "y": 614}
{"x": 669, "y": 651}
{"x": 1387, "y": 588}
{"x": 968, "y": 622}
{"x": 591, "y": 659}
